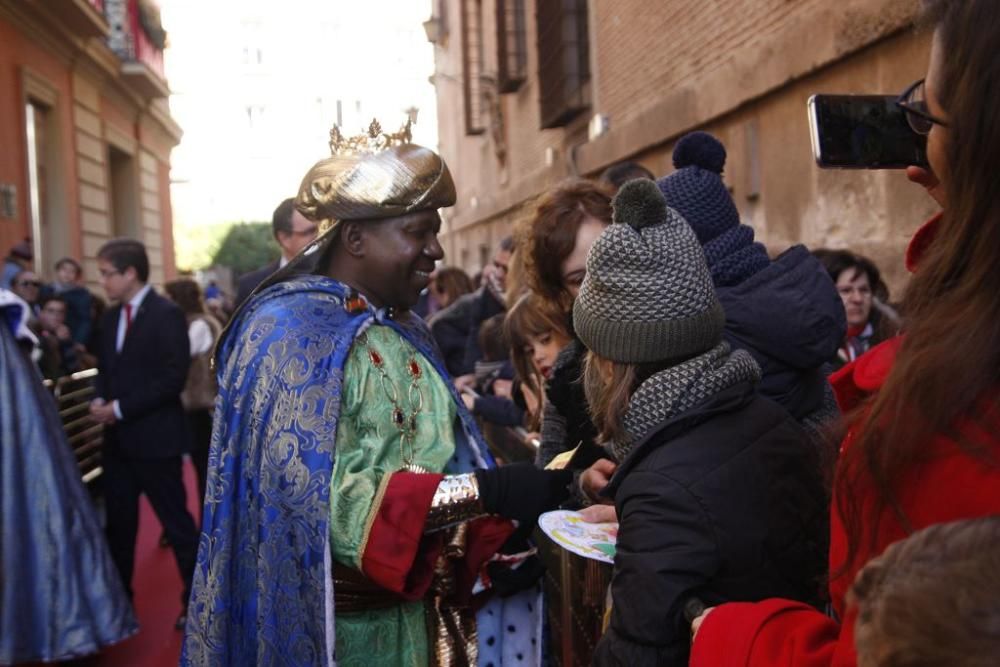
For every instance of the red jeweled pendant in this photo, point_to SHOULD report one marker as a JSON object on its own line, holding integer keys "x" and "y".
{"x": 355, "y": 303}
{"x": 398, "y": 417}
{"x": 376, "y": 358}
{"x": 414, "y": 368}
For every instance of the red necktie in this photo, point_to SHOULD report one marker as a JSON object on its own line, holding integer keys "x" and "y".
{"x": 128, "y": 317}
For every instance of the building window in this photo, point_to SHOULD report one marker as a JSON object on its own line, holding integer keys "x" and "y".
{"x": 472, "y": 66}
{"x": 123, "y": 193}
{"x": 512, "y": 55}
{"x": 563, "y": 61}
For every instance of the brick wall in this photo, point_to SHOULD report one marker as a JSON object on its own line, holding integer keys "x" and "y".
{"x": 740, "y": 68}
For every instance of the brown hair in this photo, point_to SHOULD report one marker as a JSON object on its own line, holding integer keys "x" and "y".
{"x": 531, "y": 316}
{"x": 452, "y": 282}
{"x": 547, "y": 238}
{"x": 949, "y": 360}
{"x": 932, "y": 599}
{"x": 186, "y": 293}
{"x": 608, "y": 397}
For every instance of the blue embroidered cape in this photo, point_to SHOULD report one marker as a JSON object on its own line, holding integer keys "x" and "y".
{"x": 263, "y": 591}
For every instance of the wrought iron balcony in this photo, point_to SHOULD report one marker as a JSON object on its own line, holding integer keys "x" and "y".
{"x": 138, "y": 39}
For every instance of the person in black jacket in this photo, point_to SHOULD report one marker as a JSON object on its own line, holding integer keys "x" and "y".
{"x": 143, "y": 365}
{"x": 292, "y": 232}
{"x": 785, "y": 312}
{"x": 718, "y": 490}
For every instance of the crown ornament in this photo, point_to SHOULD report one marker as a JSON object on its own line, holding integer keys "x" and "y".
{"x": 373, "y": 140}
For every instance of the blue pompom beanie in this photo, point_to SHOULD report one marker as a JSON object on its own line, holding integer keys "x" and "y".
{"x": 697, "y": 192}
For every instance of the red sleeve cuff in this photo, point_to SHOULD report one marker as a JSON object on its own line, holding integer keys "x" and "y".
{"x": 772, "y": 632}
{"x": 397, "y": 555}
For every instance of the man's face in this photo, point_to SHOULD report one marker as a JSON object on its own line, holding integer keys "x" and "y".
{"x": 53, "y": 315}
{"x": 400, "y": 254}
{"x": 303, "y": 233}
{"x": 27, "y": 286}
{"x": 118, "y": 285}
{"x": 501, "y": 265}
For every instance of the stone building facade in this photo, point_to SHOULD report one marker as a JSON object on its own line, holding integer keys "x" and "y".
{"x": 85, "y": 129}
{"x": 533, "y": 91}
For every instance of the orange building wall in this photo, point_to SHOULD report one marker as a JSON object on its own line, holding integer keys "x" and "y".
{"x": 94, "y": 105}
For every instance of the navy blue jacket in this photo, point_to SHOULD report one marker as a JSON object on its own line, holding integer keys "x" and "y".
{"x": 790, "y": 317}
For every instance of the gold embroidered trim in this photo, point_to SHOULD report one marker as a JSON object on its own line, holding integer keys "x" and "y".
{"x": 383, "y": 486}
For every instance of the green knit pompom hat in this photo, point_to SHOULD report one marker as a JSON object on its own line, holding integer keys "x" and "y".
{"x": 648, "y": 295}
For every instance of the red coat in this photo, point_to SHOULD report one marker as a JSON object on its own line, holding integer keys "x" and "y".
{"x": 953, "y": 485}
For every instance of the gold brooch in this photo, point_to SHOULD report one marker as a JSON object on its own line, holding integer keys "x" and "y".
{"x": 372, "y": 141}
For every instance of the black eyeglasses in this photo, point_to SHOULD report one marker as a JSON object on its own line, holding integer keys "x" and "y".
{"x": 914, "y": 102}
{"x": 29, "y": 283}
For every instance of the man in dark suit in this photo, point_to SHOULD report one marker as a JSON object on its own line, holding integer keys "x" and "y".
{"x": 143, "y": 363}
{"x": 293, "y": 232}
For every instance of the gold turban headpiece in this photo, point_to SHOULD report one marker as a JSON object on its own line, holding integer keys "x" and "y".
{"x": 373, "y": 175}
{"x": 369, "y": 176}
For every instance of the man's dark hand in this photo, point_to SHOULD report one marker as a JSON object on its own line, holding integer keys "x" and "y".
{"x": 521, "y": 491}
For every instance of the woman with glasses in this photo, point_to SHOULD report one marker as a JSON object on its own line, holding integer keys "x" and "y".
{"x": 923, "y": 440}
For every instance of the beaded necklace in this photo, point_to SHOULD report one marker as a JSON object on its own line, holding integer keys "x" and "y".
{"x": 404, "y": 418}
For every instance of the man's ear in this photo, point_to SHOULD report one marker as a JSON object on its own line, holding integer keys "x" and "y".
{"x": 352, "y": 238}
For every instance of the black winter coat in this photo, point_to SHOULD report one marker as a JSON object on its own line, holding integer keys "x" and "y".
{"x": 722, "y": 503}
{"x": 791, "y": 319}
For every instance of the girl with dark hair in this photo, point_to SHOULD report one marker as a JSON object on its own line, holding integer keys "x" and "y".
{"x": 537, "y": 334}
{"x": 923, "y": 447}
{"x": 201, "y": 388}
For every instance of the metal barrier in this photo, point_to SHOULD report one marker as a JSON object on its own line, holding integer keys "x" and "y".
{"x": 73, "y": 394}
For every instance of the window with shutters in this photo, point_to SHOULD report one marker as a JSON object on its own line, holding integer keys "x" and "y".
{"x": 472, "y": 66}
{"x": 512, "y": 54}
{"x": 563, "y": 60}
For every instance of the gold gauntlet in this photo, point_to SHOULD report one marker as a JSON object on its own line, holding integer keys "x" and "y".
{"x": 455, "y": 501}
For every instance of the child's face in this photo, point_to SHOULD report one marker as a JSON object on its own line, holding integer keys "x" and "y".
{"x": 544, "y": 348}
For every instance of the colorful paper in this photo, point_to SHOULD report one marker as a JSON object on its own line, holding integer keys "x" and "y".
{"x": 590, "y": 540}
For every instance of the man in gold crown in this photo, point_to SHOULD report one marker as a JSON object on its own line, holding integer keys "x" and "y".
{"x": 353, "y": 514}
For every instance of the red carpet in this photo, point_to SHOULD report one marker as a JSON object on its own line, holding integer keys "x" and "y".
{"x": 157, "y": 587}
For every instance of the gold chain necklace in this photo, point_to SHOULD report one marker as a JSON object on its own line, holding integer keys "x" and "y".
{"x": 404, "y": 421}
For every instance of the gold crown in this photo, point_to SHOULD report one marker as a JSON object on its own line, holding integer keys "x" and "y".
{"x": 372, "y": 141}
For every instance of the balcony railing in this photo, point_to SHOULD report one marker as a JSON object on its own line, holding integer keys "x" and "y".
{"x": 137, "y": 38}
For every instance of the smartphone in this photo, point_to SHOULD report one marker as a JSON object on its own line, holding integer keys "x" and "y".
{"x": 863, "y": 132}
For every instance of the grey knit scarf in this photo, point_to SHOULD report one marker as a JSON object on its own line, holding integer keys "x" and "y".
{"x": 682, "y": 387}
